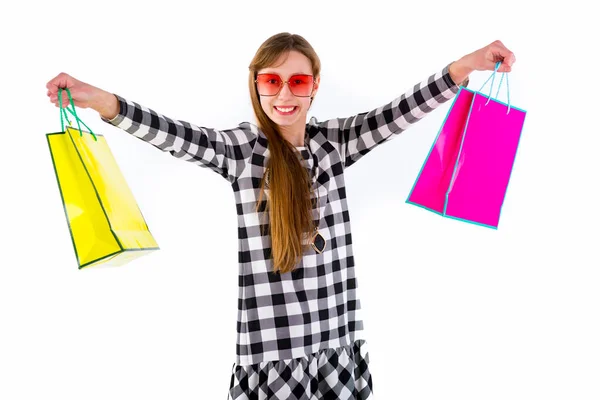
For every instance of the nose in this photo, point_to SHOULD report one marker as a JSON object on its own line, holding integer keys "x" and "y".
{"x": 285, "y": 91}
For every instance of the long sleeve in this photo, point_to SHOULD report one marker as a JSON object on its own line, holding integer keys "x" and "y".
{"x": 357, "y": 135}
{"x": 226, "y": 152}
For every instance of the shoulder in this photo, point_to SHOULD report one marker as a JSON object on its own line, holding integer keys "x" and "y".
{"x": 249, "y": 126}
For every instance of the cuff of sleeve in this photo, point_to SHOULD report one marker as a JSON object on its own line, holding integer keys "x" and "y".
{"x": 450, "y": 82}
{"x": 453, "y": 87}
{"x": 122, "y": 112}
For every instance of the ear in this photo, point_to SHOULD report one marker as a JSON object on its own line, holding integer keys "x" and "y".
{"x": 316, "y": 86}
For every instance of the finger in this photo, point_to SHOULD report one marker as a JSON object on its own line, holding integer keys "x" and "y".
{"x": 507, "y": 57}
{"x": 507, "y": 62}
{"x": 503, "y": 54}
{"x": 499, "y": 43}
{"x": 54, "y": 100}
{"x": 59, "y": 81}
{"x": 54, "y": 92}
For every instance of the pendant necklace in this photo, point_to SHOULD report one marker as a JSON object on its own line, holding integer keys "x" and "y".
{"x": 318, "y": 241}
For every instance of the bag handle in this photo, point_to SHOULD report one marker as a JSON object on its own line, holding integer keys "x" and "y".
{"x": 74, "y": 112}
{"x": 492, "y": 85}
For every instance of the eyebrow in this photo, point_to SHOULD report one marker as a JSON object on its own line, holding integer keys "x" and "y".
{"x": 275, "y": 72}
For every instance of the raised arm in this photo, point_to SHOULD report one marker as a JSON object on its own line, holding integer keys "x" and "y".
{"x": 357, "y": 135}
{"x": 223, "y": 151}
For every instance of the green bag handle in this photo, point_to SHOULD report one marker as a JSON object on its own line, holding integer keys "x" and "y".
{"x": 74, "y": 112}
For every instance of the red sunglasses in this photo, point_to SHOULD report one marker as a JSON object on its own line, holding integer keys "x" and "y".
{"x": 271, "y": 84}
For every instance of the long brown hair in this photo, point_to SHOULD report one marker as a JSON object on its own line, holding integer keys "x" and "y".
{"x": 289, "y": 204}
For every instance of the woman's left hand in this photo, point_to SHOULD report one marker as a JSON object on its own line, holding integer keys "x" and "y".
{"x": 484, "y": 59}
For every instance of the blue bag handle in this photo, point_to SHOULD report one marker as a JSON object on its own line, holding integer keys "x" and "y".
{"x": 492, "y": 85}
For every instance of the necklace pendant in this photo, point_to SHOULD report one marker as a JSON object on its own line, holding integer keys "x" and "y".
{"x": 318, "y": 242}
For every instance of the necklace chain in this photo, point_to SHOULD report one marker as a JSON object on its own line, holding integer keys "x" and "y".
{"x": 316, "y": 188}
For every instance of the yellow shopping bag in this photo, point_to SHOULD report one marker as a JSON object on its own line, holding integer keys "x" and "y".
{"x": 106, "y": 225}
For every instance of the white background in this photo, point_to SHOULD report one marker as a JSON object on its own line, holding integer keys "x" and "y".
{"x": 452, "y": 310}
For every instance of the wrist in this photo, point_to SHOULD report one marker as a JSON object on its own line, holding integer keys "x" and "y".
{"x": 459, "y": 71}
{"x": 107, "y": 105}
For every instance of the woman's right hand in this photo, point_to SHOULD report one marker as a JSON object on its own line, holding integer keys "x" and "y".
{"x": 83, "y": 94}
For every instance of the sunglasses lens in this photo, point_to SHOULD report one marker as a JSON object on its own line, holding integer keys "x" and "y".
{"x": 268, "y": 84}
{"x": 301, "y": 85}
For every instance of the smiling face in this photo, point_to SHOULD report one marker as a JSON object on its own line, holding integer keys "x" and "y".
{"x": 285, "y": 109}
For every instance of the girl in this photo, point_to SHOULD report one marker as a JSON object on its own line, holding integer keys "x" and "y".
{"x": 299, "y": 328}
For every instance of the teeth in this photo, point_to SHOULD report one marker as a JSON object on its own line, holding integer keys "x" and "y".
{"x": 287, "y": 109}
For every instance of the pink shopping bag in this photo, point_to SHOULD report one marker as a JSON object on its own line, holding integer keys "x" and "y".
{"x": 466, "y": 173}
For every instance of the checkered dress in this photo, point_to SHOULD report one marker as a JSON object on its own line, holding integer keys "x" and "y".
{"x": 299, "y": 334}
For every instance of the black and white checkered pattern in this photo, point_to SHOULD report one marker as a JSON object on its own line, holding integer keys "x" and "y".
{"x": 340, "y": 373}
{"x": 294, "y": 329}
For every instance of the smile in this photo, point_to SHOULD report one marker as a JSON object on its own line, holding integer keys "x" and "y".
{"x": 286, "y": 110}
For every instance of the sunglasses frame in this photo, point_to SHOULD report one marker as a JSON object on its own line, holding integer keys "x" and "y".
{"x": 284, "y": 83}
